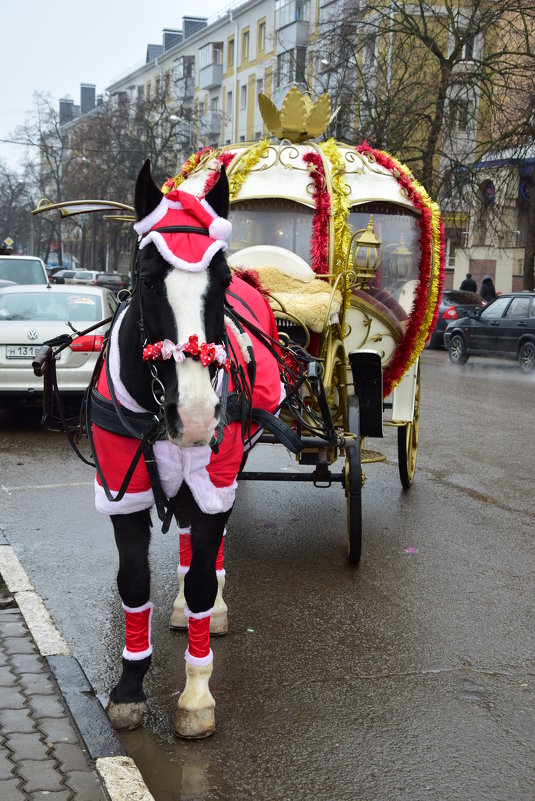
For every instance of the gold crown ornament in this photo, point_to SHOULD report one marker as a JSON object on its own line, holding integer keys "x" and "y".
{"x": 299, "y": 118}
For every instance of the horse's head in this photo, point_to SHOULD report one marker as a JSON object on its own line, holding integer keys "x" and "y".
{"x": 182, "y": 278}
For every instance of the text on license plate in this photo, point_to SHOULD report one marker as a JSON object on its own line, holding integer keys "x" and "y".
{"x": 22, "y": 351}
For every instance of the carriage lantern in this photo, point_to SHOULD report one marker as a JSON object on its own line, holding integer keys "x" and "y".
{"x": 367, "y": 254}
{"x": 400, "y": 261}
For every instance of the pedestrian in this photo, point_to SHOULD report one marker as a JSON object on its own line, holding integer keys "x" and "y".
{"x": 487, "y": 291}
{"x": 468, "y": 285}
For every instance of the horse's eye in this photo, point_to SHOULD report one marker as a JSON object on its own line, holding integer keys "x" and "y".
{"x": 147, "y": 282}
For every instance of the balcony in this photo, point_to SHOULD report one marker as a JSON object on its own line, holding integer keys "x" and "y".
{"x": 211, "y": 76}
{"x": 210, "y": 124}
{"x": 293, "y": 35}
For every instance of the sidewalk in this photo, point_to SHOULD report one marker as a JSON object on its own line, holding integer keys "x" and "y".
{"x": 55, "y": 739}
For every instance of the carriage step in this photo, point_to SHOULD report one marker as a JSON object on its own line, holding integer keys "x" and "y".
{"x": 369, "y": 457}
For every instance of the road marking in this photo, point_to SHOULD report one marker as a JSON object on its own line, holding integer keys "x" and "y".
{"x": 9, "y": 490}
{"x": 122, "y": 779}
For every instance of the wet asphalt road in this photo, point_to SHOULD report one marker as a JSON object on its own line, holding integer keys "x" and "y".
{"x": 411, "y": 677}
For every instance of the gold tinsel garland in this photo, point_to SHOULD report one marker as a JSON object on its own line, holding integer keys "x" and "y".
{"x": 243, "y": 167}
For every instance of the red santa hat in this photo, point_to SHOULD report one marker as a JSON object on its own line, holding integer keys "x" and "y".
{"x": 191, "y": 251}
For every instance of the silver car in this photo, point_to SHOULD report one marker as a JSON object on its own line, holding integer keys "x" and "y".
{"x": 31, "y": 315}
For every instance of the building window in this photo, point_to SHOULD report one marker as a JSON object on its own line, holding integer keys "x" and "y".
{"x": 291, "y": 66}
{"x": 148, "y": 90}
{"x": 230, "y": 52}
{"x": 261, "y": 39}
{"x": 459, "y": 114}
{"x": 467, "y": 52}
{"x": 245, "y": 45}
{"x": 284, "y": 68}
{"x": 229, "y": 103}
{"x": 368, "y": 51}
{"x": 288, "y": 11}
{"x": 210, "y": 54}
{"x": 259, "y": 86}
{"x": 243, "y": 97}
{"x": 214, "y": 104}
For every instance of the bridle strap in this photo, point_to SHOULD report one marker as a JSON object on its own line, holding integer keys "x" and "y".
{"x": 181, "y": 229}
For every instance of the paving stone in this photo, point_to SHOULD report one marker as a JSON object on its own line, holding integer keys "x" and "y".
{"x": 7, "y": 677}
{"x": 58, "y": 730}
{"x": 46, "y": 706}
{"x": 9, "y": 790}
{"x": 12, "y": 698}
{"x": 71, "y": 757}
{"x": 41, "y": 774}
{"x": 27, "y": 663}
{"x": 18, "y": 645}
{"x": 3, "y": 657}
{"x": 46, "y": 795}
{"x": 6, "y": 765}
{"x": 27, "y": 746}
{"x": 7, "y": 615}
{"x": 12, "y": 628}
{"x": 86, "y": 786}
{"x": 16, "y": 720}
{"x": 37, "y": 684}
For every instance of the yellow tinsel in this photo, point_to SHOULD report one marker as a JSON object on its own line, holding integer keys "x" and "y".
{"x": 243, "y": 165}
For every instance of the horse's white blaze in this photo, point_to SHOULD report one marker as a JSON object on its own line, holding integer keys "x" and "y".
{"x": 197, "y": 399}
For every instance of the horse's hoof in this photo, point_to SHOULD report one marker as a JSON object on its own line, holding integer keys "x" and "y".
{"x": 178, "y": 620}
{"x": 219, "y": 623}
{"x": 125, "y": 717}
{"x": 194, "y": 724}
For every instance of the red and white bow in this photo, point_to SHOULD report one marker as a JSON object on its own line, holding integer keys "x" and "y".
{"x": 207, "y": 353}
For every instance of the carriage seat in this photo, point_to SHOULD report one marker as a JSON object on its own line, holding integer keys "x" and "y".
{"x": 386, "y": 305}
{"x": 294, "y": 289}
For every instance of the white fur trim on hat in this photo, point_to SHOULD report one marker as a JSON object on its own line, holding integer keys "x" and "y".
{"x": 220, "y": 229}
{"x": 156, "y": 215}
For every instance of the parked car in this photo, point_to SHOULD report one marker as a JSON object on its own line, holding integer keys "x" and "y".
{"x": 29, "y": 316}
{"x": 23, "y": 270}
{"x": 113, "y": 281}
{"x": 87, "y": 277}
{"x": 63, "y": 277}
{"x": 51, "y": 271}
{"x": 503, "y": 329}
{"x": 455, "y": 303}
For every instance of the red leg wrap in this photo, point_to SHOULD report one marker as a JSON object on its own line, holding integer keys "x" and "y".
{"x": 219, "y": 558}
{"x": 184, "y": 549}
{"x": 138, "y": 626}
{"x": 199, "y": 637}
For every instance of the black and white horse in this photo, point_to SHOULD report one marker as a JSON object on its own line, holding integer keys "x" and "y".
{"x": 167, "y": 364}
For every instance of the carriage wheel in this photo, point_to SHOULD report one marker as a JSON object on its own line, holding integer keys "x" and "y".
{"x": 408, "y": 441}
{"x": 353, "y": 485}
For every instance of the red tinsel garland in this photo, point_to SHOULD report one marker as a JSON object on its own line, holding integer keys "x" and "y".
{"x": 223, "y": 158}
{"x": 396, "y": 368}
{"x": 319, "y": 242}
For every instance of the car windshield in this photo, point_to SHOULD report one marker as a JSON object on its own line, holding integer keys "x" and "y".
{"x": 50, "y": 306}
{"x": 22, "y": 271}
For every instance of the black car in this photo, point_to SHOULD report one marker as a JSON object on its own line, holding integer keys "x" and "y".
{"x": 503, "y": 329}
{"x": 63, "y": 277}
{"x": 455, "y": 303}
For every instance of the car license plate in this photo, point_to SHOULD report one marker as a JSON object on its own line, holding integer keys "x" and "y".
{"x": 22, "y": 351}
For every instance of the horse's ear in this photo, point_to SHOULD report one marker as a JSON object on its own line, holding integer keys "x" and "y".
{"x": 147, "y": 195}
{"x": 218, "y": 196}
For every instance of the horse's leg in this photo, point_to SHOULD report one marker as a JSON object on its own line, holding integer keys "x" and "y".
{"x": 195, "y": 715}
{"x": 127, "y": 699}
{"x": 219, "y": 617}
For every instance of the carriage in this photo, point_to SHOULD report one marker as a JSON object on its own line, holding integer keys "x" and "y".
{"x": 346, "y": 248}
{"x": 350, "y": 249}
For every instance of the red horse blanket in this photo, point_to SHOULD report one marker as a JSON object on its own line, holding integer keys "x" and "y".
{"x": 211, "y": 477}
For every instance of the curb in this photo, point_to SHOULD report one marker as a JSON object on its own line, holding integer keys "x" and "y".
{"x": 117, "y": 771}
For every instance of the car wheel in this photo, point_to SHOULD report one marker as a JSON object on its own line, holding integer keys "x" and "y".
{"x": 457, "y": 350}
{"x": 526, "y": 357}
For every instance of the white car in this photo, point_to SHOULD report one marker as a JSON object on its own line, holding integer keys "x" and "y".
{"x": 31, "y": 315}
{"x": 23, "y": 270}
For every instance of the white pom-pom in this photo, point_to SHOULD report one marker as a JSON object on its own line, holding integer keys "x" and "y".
{"x": 220, "y": 229}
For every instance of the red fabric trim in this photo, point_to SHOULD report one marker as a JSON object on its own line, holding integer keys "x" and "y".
{"x": 219, "y": 557}
{"x": 138, "y": 630}
{"x": 199, "y": 637}
{"x": 319, "y": 241}
{"x": 223, "y": 158}
{"x": 185, "y": 550}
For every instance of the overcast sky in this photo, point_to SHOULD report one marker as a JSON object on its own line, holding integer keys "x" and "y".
{"x": 53, "y": 46}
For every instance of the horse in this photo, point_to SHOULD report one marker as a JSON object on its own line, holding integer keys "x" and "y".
{"x": 163, "y": 430}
